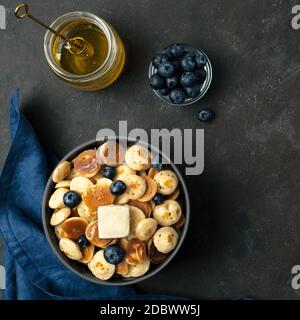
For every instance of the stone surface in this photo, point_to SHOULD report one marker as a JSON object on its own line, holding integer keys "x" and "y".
{"x": 244, "y": 237}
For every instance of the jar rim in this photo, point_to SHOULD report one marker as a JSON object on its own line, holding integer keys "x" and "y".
{"x": 50, "y": 37}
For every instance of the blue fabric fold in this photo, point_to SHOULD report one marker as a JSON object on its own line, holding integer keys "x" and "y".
{"x": 32, "y": 269}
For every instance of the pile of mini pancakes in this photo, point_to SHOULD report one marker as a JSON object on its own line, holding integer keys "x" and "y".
{"x": 154, "y": 228}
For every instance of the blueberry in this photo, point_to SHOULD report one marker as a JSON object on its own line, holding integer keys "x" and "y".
{"x": 200, "y": 61}
{"x": 114, "y": 254}
{"x": 172, "y": 82}
{"x": 117, "y": 188}
{"x": 109, "y": 172}
{"x": 201, "y": 75}
{"x": 156, "y": 82}
{"x": 177, "y": 96}
{"x": 71, "y": 199}
{"x": 158, "y": 199}
{"x": 164, "y": 91}
{"x": 188, "y": 79}
{"x": 177, "y": 65}
{"x": 166, "y": 70}
{"x": 168, "y": 54}
{"x": 193, "y": 92}
{"x": 191, "y": 54}
{"x": 83, "y": 242}
{"x": 177, "y": 50}
{"x": 206, "y": 115}
{"x": 188, "y": 63}
{"x": 156, "y": 164}
{"x": 160, "y": 59}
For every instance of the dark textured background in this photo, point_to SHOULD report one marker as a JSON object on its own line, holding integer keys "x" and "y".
{"x": 244, "y": 238}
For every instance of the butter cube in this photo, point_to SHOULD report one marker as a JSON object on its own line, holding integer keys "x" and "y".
{"x": 113, "y": 221}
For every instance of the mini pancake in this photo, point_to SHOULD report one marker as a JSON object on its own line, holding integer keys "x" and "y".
{"x": 85, "y": 212}
{"x": 144, "y": 206}
{"x": 122, "y": 199}
{"x": 145, "y": 229}
{"x": 56, "y": 200}
{"x": 80, "y": 184}
{"x": 59, "y": 216}
{"x": 138, "y": 157}
{"x": 111, "y": 153}
{"x": 70, "y": 249}
{"x": 59, "y": 232}
{"x": 74, "y": 227}
{"x": 168, "y": 213}
{"x": 167, "y": 181}
{"x": 100, "y": 267}
{"x": 123, "y": 170}
{"x": 165, "y": 239}
{"x": 62, "y": 170}
{"x": 135, "y": 186}
{"x": 91, "y": 234}
{"x": 180, "y": 223}
{"x": 135, "y": 252}
{"x": 174, "y": 195}
{"x": 139, "y": 269}
{"x": 122, "y": 268}
{"x": 73, "y": 174}
{"x": 151, "y": 189}
{"x": 98, "y": 195}
{"x": 87, "y": 254}
{"x": 123, "y": 243}
{"x": 63, "y": 184}
{"x": 152, "y": 172}
{"x": 136, "y": 215}
{"x": 86, "y": 163}
{"x": 155, "y": 256}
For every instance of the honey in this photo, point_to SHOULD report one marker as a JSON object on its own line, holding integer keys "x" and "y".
{"x": 76, "y": 63}
{"x": 96, "y": 63}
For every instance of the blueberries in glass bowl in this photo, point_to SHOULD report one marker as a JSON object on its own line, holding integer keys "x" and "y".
{"x": 180, "y": 74}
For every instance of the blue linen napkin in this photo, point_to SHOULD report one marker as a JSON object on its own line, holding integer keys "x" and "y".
{"x": 32, "y": 269}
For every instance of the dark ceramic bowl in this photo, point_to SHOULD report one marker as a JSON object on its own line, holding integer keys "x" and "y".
{"x": 81, "y": 269}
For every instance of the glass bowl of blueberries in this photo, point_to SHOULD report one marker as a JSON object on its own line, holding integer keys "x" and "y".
{"x": 180, "y": 74}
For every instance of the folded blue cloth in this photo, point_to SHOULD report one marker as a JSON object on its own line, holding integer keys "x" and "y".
{"x": 32, "y": 269}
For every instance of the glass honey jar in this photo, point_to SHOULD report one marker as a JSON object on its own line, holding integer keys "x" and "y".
{"x": 96, "y": 64}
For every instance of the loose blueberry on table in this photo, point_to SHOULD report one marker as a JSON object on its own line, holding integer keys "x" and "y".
{"x": 206, "y": 115}
{"x": 179, "y": 73}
